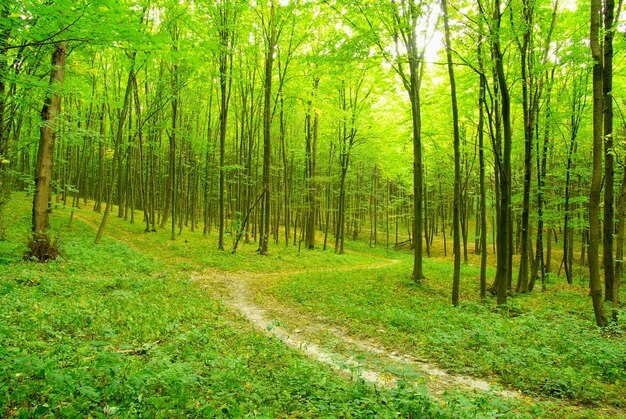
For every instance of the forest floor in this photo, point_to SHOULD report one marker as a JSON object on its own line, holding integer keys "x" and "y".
{"x": 376, "y": 344}
{"x": 363, "y": 358}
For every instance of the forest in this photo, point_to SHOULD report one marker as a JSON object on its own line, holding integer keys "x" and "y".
{"x": 312, "y": 208}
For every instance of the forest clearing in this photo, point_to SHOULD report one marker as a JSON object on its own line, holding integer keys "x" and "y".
{"x": 312, "y": 208}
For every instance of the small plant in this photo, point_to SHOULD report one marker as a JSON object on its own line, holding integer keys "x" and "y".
{"x": 28, "y": 280}
{"x": 42, "y": 249}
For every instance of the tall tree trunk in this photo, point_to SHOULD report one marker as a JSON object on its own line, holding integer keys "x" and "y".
{"x": 117, "y": 147}
{"x": 225, "y": 70}
{"x": 456, "y": 277}
{"x": 142, "y": 183}
{"x": 328, "y": 195}
{"x": 418, "y": 271}
{"x": 285, "y": 161}
{"x": 267, "y": 125}
{"x": 609, "y": 176}
{"x": 578, "y": 104}
{"x": 312, "y": 172}
{"x": 5, "y": 184}
{"x": 207, "y": 165}
{"x": 595, "y": 286}
{"x": 341, "y": 209}
{"x": 504, "y": 162}
{"x": 172, "y": 151}
{"x": 527, "y": 87}
{"x": 619, "y": 244}
{"x": 47, "y": 136}
{"x": 542, "y": 159}
{"x": 101, "y": 161}
{"x": 481, "y": 164}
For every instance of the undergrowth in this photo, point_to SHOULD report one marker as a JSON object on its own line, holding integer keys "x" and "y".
{"x": 121, "y": 331}
{"x": 42, "y": 248}
{"x": 543, "y": 343}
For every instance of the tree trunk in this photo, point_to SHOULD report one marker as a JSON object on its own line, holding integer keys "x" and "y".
{"x": 527, "y": 81}
{"x": 312, "y": 171}
{"x": 609, "y": 176}
{"x": 225, "y": 70}
{"x": 595, "y": 286}
{"x": 481, "y": 164}
{"x": 267, "y": 125}
{"x": 101, "y": 161}
{"x": 619, "y": 244}
{"x": 456, "y": 277}
{"x": 504, "y": 230}
{"x": 47, "y": 136}
{"x": 5, "y": 184}
{"x": 117, "y": 149}
{"x": 418, "y": 273}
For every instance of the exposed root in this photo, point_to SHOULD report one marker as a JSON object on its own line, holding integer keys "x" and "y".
{"x": 42, "y": 249}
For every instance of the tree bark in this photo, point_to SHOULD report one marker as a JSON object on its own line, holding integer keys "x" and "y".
{"x": 595, "y": 286}
{"x": 609, "y": 175}
{"x": 47, "y": 136}
{"x": 267, "y": 125}
{"x": 456, "y": 277}
{"x": 504, "y": 161}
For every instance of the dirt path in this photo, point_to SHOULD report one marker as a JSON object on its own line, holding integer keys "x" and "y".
{"x": 321, "y": 340}
{"x": 354, "y": 356}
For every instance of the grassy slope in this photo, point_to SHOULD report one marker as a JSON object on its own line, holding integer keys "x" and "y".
{"x": 544, "y": 343}
{"x": 120, "y": 330}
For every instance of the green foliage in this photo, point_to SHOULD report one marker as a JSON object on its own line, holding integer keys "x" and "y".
{"x": 112, "y": 332}
{"x": 542, "y": 344}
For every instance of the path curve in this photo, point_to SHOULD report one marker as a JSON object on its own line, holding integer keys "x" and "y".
{"x": 237, "y": 294}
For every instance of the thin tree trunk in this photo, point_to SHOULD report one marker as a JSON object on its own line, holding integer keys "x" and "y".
{"x": 527, "y": 81}
{"x": 456, "y": 277}
{"x": 267, "y": 123}
{"x": 609, "y": 175}
{"x": 225, "y": 70}
{"x": 595, "y": 286}
{"x": 117, "y": 149}
{"x": 504, "y": 230}
{"x": 481, "y": 163}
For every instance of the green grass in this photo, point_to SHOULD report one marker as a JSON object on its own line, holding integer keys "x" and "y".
{"x": 193, "y": 251}
{"x": 119, "y": 330}
{"x": 543, "y": 343}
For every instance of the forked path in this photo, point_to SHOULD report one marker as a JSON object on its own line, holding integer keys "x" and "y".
{"x": 354, "y": 356}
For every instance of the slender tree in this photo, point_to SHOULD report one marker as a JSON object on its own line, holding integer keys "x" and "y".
{"x": 402, "y": 18}
{"x": 609, "y": 175}
{"x": 271, "y": 38}
{"x": 595, "y": 285}
{"x": 457, "y": 159}
{"x": 503, "y": 157}
{"x": 226, "y": 23}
